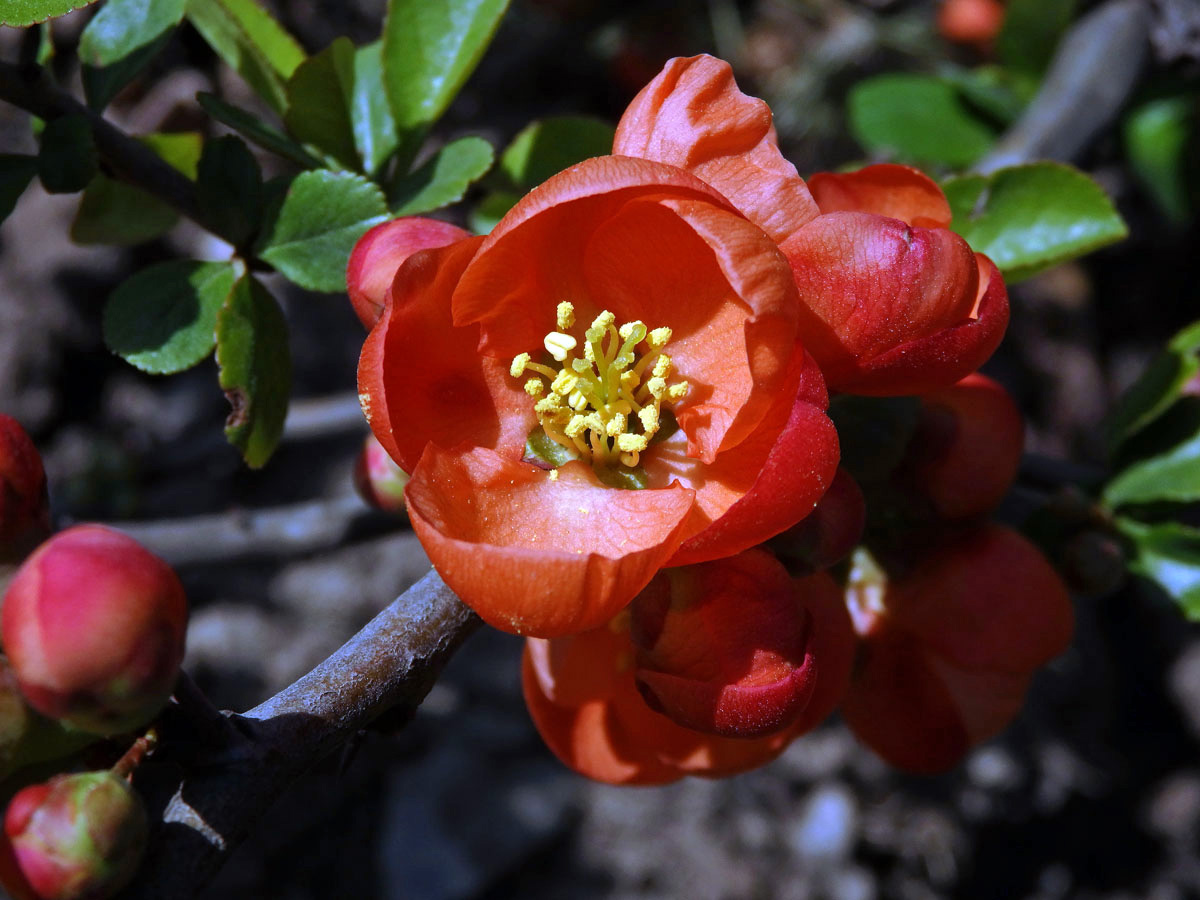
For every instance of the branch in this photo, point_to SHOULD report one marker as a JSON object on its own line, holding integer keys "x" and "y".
{"x": 1094, "y": 70}
{"x": 390, "y": 665}
{"x": 31, "y": 89}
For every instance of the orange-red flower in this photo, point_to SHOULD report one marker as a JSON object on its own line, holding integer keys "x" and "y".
{"x": 689, "y": 687}
{"x": 684, "y": 423}
{"x": 892, "y": 301}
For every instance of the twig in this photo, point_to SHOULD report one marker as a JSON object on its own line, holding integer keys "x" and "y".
{"x": 272, "y": 532}
{"x": 1094, "y": 70}
{"x": 126, "y": 158}
{"x": 392, "y": 663}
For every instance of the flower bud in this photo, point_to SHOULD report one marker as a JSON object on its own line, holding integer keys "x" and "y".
{"x": 971, "y": 21}
{"x": 93, "y": 624}
{"x": 967, "y": 447}
{"x": 826, "y": 535}
{"x": 950, "y": 647}
{"x": 77, "y": 837}
{"x": 379, "y": 254}
{"x": 378, "y": 479}
{"x": 24, "y": 506}
{"x": 723, "y": 647}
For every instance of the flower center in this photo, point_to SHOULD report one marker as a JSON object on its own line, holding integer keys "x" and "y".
{"x": 606, "y": 405}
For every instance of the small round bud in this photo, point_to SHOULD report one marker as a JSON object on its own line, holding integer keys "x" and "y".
{"x": 378, "y": 479}
{"x": 24, "y": 507}
{"x": 93, "y": 624}
{"x": 77, "y": 837}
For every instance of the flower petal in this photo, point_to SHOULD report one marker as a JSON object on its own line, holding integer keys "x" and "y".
{"x": 871, "y": 285}
{"x": 536, "y": 555}
{"x": 693, "y": 116}
{"x": 898, "y": 192}
{"x": 420, "y": 379}
{"x": 381, "y": 251}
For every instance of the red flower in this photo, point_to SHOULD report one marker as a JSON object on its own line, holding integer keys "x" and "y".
{"x": 684, "y": 423}
{"x": 715, "y": 670}
{"x": 891, "y": 301}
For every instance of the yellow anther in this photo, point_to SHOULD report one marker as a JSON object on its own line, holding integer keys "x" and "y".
{"x": 577, "y": 401}
{"x": 649, "y": 418}
{"x": 636, "y": 330}
{"x": 616, "y": 425}
{"x": 564, "y": 382}
{"x": 630, "y": 459}
{"x": 657, "y": 339}
{"x": 553, "y": 475}
{"x": 551, "y": 404}
{"x": 520, "y": 361}
{"x": 602, "y": 322}
{"x": 559, "y": 345}
{"x": 576, "y": 427}
{"x": 677, "y": 392}
{"x": 535, "y": 387}
{"x": 565, "y": 315}
{"x": 657, "y": 387}
{"x": 632, "y": 443}
{"x": 662, "y": 366}
{"x": 629, "y": 381}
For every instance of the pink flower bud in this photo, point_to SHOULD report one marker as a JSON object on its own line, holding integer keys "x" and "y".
{"x": 24, "y": 507}
{"x": 723, "y": 647}
{"x": 378, "y": 479}
{"x": 77, "y": 837}
{"x": 826, "y": 535}
{"x": 93, "y": 624}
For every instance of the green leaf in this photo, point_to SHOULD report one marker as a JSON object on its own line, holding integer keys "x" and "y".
{"x": 248, "y": 126}
{"x": 374, "y": 127}
{"x": 429, "y": 51}
{"x": 547, "y": 146}
{"x": 1028, "y": 218}
{"x": 999, "y": 93}
{"x": 491, "y": 209}
{"x": 1168, "y": 554}
{"x": 164, "y": 318}
{"x": 1157, "y": 135}
{"x": 179, "y": 149}
{"x": 1030, "y": 33}
{"x": 16, "y": 171}
{"x": 320, "y": 94}
{"x": 917, "y": 118}
{"x": 322, "y": 216}
{"x": 245, "y": 36}
{"x": 1173, "y": 477}
{"x": 229, "y": 189}
{"x": 1158, "y": 388}
{"x": 67, "y": 160}
{"x": 120, "y": 40}
{"x": 444, "y": 178}
{"x": 255, "y": 369}
{"x": 118, "y": 214}
{"x": 20, "y": 13}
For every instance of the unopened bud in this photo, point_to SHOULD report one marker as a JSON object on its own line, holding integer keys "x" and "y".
{"x": 77, "y": 837}
{"x": 827, "y": 534}
{"x": 378, "y": 479}
{"x": 24, "y": 508}
{"x": 93, "y": 624}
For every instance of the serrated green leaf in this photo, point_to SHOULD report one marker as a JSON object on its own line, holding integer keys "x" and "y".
{"x": 179, "y": 149}
{"x": 444, "y": 179}
{"x": 115, "y": 213}
{"x": 1158, "y": 388}
{"x": 229, "y": 189}
{"x": 321, "y": 218}
{"x": 917, "y": 118}
{"x": 16, "y": 171}
{"x": 374, "y": 128}
{"x": 1157, "y": 135}
{"x": 252, "y": 129}
{"x": 255, "y": 369}
{"x": 1029, "y": 218}
{"x": 120, "y": 40}
{"x": 1168, "y": 554}
{"x": 547, "y": 146}
{"x": 1030, "y": 33}
{"x": 164, "y": 318}
{"x": 1173, "y": 477}
{"x": 429, "y": 51}
{"x": 249, "y": 41}
{"x": 320, "y": 94}
{"x": 67, "y": 159}
{"x": 20, "y": 13}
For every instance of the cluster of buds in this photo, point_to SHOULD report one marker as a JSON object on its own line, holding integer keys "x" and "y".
{"x": 92, "y": 627}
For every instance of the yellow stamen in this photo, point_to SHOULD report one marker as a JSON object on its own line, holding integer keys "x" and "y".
{"x": 565, "y": 315}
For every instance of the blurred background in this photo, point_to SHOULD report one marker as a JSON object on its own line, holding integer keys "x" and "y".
{"x": 1094, "y": 792}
